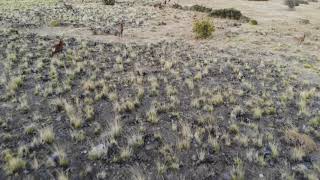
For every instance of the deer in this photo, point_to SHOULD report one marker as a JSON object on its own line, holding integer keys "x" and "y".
{"x": 300, "y": 39}
{"x": 57, "y": 48}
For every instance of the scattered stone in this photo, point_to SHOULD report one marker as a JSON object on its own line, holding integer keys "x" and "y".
{"x": 267, "y": 152}
{"x": 303, "y": 21}
{"x": 300, "y": 168}
{"x": 194, "y": 157}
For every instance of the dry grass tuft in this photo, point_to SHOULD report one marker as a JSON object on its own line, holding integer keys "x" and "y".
{"x": 301, "y": 140}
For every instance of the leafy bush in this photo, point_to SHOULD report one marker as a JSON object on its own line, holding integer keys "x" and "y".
{"x": 253, "y": 22}
{"x": 200, "y": 8}
{"x": 55, "y": 23}
{"x": 203, "y": 28}
{"x": 291, "y": 3}
{"x": 109, "y": 2}
{"x": 230, "y": 13}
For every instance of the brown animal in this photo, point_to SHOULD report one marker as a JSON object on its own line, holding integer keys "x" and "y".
{"x": 57, "y": 48}
{"x": 301, "y": 38}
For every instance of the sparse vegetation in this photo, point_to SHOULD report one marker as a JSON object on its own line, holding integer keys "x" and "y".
{"x": 77, "y": 102}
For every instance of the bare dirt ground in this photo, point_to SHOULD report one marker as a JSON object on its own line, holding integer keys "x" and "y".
{"x": 158, "y": 103}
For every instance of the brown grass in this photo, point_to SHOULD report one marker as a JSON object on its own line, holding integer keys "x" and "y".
{"x": 299, "y": 139}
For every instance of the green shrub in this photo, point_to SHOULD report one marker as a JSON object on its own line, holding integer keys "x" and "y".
{"x": 203, "y": 28}
{"x": 291, "y": 3}
{"x": 253, "y": 22}
{"x": 200, "y": 8}
{"x": 230, "y": 13}
{"x": 109, "y": 2}
{"x": 55, "y": 23}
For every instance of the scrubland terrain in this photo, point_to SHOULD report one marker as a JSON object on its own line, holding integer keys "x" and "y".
{"x": 158, "y": 103}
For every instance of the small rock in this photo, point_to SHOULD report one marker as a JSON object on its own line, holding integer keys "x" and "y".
{"x": 300, "y": 168}
{"x": 150, "y": 146}
{"x": 194, "y": 157}
{"x": 303, "y": 21}
{"x": 139, "y": 22}
{"x": 26, "y": 171}
{"x": 267, "y": 152}
{"x": 58, "y": 118}
{"x": 314, "y": 157}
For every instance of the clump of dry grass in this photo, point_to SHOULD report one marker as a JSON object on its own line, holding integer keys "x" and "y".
{"x": 62, "y": 176}
{"x": 59, "y": 157}
{"x": 13, "y": 164}
{"x": 238, "y": 172}
{"x": 115, "y": 127}
{"x": 186, "y": 136}
{"x": 152, "y": 115}
{"x": 47, "y": 135}
{"x": 297, "y": 153}
{"x": 297, "y": 139}
{"x": 74, "y": 116}
{"x": 14, "y": 84}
